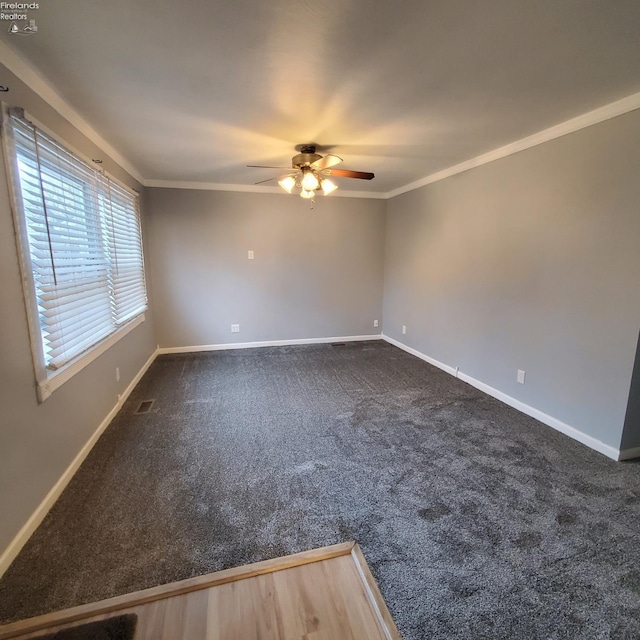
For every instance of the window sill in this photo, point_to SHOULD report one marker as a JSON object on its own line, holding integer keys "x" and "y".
{"x": 57, "y": 378}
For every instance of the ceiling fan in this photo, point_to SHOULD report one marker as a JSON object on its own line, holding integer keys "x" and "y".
{"x": 311, "y": 173}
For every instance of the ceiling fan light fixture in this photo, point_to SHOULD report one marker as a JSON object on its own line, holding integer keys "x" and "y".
{"x": 287, "y": 183}
{"x": 328, "y": 186}
{"x": 309, "y": 181}
{"x": 306, "y": 194}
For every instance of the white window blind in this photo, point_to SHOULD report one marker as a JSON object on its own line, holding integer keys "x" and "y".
{"x": 84, "y": 244}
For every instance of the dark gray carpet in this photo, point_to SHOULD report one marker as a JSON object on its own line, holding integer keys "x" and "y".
{"x": 477, "y": 521}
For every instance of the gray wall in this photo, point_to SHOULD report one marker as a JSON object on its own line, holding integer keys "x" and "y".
{"x": 530, "y": 262}
{"x": 39, "y": 441}
{"x": 315, "y": 274}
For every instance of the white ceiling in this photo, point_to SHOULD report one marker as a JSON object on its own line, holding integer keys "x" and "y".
{"x": 194, "y": 91}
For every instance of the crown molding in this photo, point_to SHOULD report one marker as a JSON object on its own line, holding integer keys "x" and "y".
{"x": 210, "y": 186}
{"x": 608, "y": 111}
{"x": 252, "y": 188}
{"x": 28, "y": 74}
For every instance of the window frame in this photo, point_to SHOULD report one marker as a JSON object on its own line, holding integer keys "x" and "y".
{"x": 48, "y": 380}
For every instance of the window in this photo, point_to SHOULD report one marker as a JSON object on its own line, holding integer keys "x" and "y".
{"x": 81, "y": 250}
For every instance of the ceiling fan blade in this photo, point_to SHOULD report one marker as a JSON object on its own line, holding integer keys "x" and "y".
{"x": 327, "y": 161}
{"x": 264, "y": 166}
{"x": 267, "y": 180}
{"x": 347, "y": 173}
{"x": 275, "y": 178}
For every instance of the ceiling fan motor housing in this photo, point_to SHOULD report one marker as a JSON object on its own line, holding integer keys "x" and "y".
{"x": 303, "y": 159}
{"x": 307, "y": 157}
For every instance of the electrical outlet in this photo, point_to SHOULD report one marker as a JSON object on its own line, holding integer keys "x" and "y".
{"x": 520, "y": 376}
{"x": 404, "y": 329}
{"x": 235, "y": 328}
{"x": 117, "y": 374}
{"x": 250, "y": 255}
{"x": 375, "y": 323}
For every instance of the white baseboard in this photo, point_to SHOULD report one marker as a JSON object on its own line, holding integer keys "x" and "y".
{"x": 629, "y": 454}
{"x": 10, "y": 553}
{"x": 267, "y": 343}
{"x": 554, "y": 423}
{"x": 414, "y": 352}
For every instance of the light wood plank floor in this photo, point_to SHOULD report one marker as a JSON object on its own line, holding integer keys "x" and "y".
{"x": 324, "y": 594}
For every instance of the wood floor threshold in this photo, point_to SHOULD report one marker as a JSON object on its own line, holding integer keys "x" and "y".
{"x": 82, "y": 612}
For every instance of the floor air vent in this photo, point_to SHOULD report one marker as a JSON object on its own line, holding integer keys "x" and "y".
{"x": 144, "y": 406}
{"x": 338, "y": 344}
